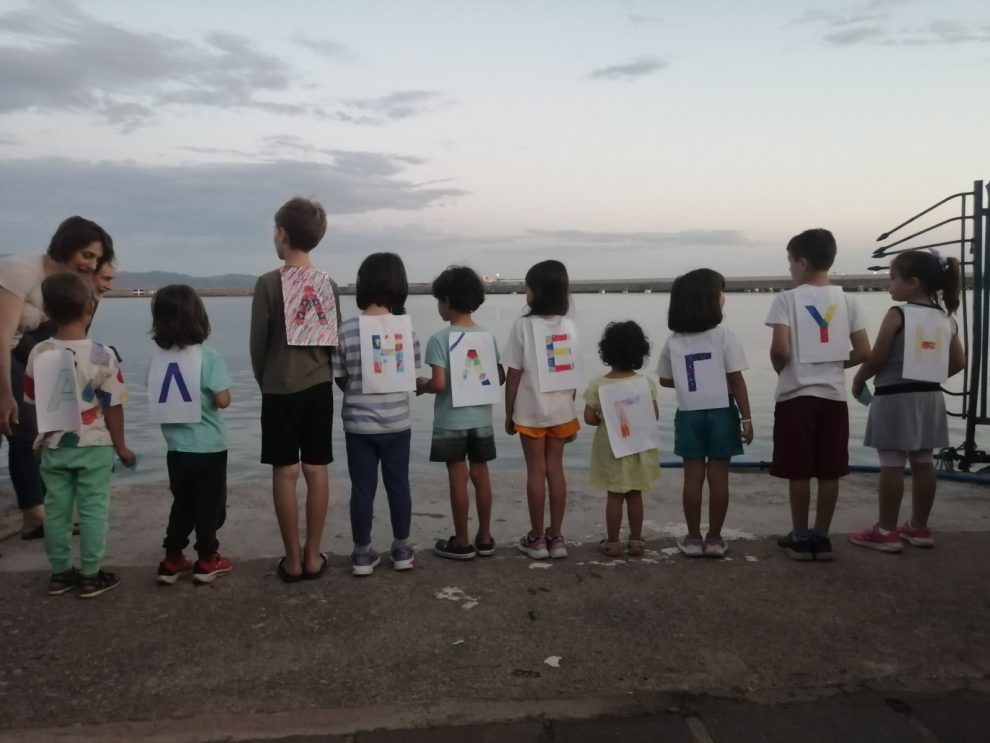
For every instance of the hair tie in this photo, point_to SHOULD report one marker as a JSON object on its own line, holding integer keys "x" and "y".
{"x": 942, "y": 262}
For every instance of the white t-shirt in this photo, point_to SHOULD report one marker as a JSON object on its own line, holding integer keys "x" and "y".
{"x": 22, "y": 275}
{"x": 732, "y": 351}
{"x": 826, "y": 379}
{"x": 533, "y": 408}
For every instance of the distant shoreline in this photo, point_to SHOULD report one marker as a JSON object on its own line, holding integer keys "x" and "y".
{"x": 852, "y": 282}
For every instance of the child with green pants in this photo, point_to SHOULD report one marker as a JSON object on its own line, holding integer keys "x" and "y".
{"x": 77, "y": 462}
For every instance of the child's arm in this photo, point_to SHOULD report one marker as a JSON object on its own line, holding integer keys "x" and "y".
{"x": 591, "y": 416}
{"x": 221, "y": 399}
{"x": 861, "y": 349}
{"x": 780, "y": 347}
{"x": 957, "y": 356}
{"x": 512, "y": 379}
{"x": 892, "y": 323}
{"x": 260, "y": 321}
{"x": 434, "y": 384}
{"x": 115, "y": 425}
{"x": 737, "y": 385}
{"x": 664, "y": 382}
{"x": 501, "y": 375}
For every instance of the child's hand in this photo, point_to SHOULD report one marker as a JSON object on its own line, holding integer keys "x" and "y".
{"x": 747, "y": 432}
{"x": 510, "y": 427}
{"x": 127, "y": 456}
{"x": 857, "y": 388}
{"x": 421, "y": 383}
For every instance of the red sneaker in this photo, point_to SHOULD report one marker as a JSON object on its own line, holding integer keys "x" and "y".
{"x": 169, "y": 571}
{"x": 208, "y": 570}
{"x": 919, "y": 536}
{"x": 875, "y": 539}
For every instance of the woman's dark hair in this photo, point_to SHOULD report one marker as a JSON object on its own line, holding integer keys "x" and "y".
{"x": 938, "y": 275}
{"x": 461, "y": 288}
{"x": 74, "y": 234}
{"x": 178, "y": 317}
{"x": 624, "y": 346}
{"x": 551, "y": 288}
{"x": 381, "y": 280}
{"x": 696, "y": 301}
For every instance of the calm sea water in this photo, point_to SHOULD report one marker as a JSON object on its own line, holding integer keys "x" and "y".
{"x": 125, "y": 324}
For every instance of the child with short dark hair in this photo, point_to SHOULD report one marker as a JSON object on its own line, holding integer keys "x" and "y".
{"x": 813, "y": 325}
{"x": 376, "y": 424}
{"x": 296, "y": 385}
{"x": 197, "y": 451}
{"x": 461, "y": 432}
{"x": 917, "y": 348}
{"x": 76, "y": 463}
{"x": 541, "y": 348}
{"x": 625, "y": 348}
{"x": 704, "y": 363}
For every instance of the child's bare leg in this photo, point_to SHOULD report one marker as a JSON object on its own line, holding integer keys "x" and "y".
{"x": 613, "y": 516}
{"x": 891, "y": 491}
{"x": 694, "y": 482}
{"x": 287, "y": 513}
{"x": 718, "y": 495}
{"x": 534, "y": 451}
{"x": 799, "y": 494}
{"x": 634, "y": 508}
{"x": 483, "y": 500}
{"x": 457, "y": 477}
{"x": 922, "y": 492}
{"x": 556, "y": 483}
{"x": 317, "y": 500}
{"x": 828, "y": 496}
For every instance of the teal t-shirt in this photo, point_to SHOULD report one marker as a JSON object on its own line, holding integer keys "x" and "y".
{"x": 209, "y": 435}
{"x": 445, "y": 415}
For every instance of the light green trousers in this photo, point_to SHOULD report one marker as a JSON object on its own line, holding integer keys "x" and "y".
{"x": 80, "y": 477}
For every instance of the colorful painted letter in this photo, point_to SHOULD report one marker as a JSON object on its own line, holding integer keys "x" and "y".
{"x": 823, "y": 322}
{"x": 473, "y": 365}
{"x": 310, "y": 299}
{"x": 388, "y": 346}
{"x": 559, "y": 357}
{"x": 173, "y": 372}
{"x": 689, "y": 365}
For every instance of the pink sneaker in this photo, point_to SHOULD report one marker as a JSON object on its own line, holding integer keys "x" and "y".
{"x": 876, "y": 540}
{"x": 919, "y": 536}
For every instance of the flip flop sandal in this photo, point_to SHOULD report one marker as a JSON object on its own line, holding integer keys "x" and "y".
{"x": 318, "y": 573}
{"x": 635, "y": 547}
{"x": 288, "y": 577}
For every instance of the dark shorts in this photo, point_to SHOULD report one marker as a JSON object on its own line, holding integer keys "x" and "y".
{"x": 297, "y": 427}
{"x": 475, "y": 444}
{"x": 810, "y": 439}
{"x": 707, "y": 434}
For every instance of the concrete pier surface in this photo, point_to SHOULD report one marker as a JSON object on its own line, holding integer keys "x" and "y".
{"x": 756, "y": 647}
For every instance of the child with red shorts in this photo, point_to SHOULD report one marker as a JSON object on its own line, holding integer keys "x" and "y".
{"x": 810, "y": 353}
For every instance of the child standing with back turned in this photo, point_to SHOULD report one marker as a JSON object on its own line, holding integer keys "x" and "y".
{"x": 540, "y": 384}
{"x": 813, "y": 327}
{"x": 917, "y": 349}
{"x": 377, "y": 426}
{"x": 197, "y": 451}
{"x": 704, "y": 363}
{"x": 625, "y": 349}
{"x": 77, "y": 463}
{"x": 463, "y": 431}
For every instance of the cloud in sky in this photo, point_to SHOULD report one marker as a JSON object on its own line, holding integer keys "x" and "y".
{"x": 619, "y": 240}
{"x": 639, "y": 67}
{"x": 874, "y": 23}
{"x": 392, "y": 107}
{"x": 327, "y": 48}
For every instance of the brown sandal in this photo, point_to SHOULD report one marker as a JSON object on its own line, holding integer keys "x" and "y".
{"x": 612, "y": 549}
{"x": 635, "y": 547}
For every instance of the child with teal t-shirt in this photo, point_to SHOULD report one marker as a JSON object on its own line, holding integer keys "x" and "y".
{"x": 460, "y": 433}
{"x": 197, "y": 452}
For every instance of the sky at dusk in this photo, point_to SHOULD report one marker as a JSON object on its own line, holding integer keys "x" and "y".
{"x": 626, "y": 138}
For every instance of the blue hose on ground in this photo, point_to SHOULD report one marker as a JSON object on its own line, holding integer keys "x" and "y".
{"x": 950, "y": 475}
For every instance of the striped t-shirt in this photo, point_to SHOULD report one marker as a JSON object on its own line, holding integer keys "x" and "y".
{"x": 383, "y": 412}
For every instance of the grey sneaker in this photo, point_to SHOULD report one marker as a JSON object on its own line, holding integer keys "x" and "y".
{"x": 364, "y": 563}
{"x": 691, "y": 546}
{"x": 403, "y": 556}
{"x": 715, "y": 547}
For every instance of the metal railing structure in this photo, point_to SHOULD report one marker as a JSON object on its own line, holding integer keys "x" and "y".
{"x": 973, "y": 221}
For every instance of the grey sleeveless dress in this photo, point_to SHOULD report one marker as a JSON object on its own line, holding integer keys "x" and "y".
{"x": 906, "y": 421}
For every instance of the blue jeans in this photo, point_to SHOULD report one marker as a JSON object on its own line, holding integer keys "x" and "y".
{"x": 365, "y": 452}
{"x": 25, "y": 475}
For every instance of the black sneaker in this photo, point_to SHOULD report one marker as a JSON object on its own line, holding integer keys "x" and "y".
{"x": 796, "y": 549}
{"x": 484, "y": 549}
{"x": 821, "y": 548}
{"x": 63, "y": 582}
{"x": 451, "y": 549}
{"x": 91, "y": 586}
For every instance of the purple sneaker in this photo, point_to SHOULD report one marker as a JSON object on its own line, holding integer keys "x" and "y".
{"x": 535, "y": 547}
